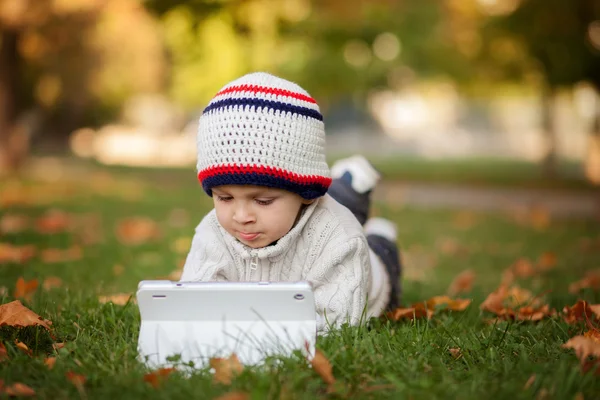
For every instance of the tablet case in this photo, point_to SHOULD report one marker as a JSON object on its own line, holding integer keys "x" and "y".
{"x": 183, "y": 322}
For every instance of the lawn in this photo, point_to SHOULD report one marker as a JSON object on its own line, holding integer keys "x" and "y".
{"x": 99, "y": 234}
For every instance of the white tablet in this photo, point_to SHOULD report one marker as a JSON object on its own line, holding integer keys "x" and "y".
{"x": 195, "y": 321}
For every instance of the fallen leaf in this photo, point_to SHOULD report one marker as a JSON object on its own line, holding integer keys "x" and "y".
{"x": 119, "y": 299}
{"x": 462, "y": 283}
{"x": 584, "y": 347}
{"x": 76, "y": 379}
{"x": 16, "y": 254}
{"x": 54, "y": 221}
{"x": 580, "y": 311}
{"x": 17, "y": 390}
{"x": 546, "y": 261}
{"x": 137, "y": 230}
{"x": 452, "y": 304}
{"x": 58, "y": 346}
{"x": 515, "y": 303}
{"x": 155, "y": 378}
{"x": 409, "y": 313}
{"x": 52, "y": 282}
{"x": 3, "y": 352}
{"x": 23, "y": 347}
{"x": 591, "y": 281}
{"x": 322, "y": 366}
{"x": 233, "y": 396}
{"x": 523, "y": 268}
{"x": 455, "y": 352}
{"x": 51, "y": 256}
{"x": 494, "y": 302}
{"x": 226, "y": 368}
{"x": 25, "y": 289}
{"x": 16, "y": 314}
{"x": 529, "y": 382}
{"x": 49, "y": 362}
{"x": 13, "y": 223}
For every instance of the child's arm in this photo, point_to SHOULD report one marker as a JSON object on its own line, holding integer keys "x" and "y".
{"x": 207, "y": 258}
{"x": 340, "y": 282}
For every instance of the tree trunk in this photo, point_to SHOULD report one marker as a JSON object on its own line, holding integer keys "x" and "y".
{"x": 9, "y": 98}
{"x": 549, "y": 161}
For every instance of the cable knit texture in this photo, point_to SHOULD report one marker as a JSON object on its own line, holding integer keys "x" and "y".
{"x": 326, "y": 247}
{"x": 263, "y": 130}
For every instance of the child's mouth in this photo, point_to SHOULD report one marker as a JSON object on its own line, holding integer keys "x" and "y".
{"x": 248, "y": 236}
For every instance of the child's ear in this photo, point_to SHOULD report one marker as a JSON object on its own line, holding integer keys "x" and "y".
{"x": 307, "y": 202}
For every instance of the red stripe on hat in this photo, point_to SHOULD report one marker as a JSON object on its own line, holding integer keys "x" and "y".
{"x": 264, "y": 170}
{"x": 262, "y": 89}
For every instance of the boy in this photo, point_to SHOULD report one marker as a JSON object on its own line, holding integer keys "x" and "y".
{"x": 261, "y": 157}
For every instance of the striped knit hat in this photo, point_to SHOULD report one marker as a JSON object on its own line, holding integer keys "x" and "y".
{"x": 266, "y": 131}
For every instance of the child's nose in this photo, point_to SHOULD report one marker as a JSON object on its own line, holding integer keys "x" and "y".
{"x": 242, "y": 214}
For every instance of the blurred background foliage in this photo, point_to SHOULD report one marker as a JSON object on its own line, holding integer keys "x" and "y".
{"x": 68, "y": 64}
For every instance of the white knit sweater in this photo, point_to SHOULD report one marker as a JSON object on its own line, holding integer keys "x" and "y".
{"x": 326, "y": 247}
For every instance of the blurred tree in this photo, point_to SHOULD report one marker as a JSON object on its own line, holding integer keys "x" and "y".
{"x": 559, "y": 36}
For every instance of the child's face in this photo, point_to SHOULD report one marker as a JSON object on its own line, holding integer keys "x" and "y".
{"x": 256, "y": 215}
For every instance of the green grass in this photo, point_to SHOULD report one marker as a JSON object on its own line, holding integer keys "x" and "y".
{"x": 379, "y": 360}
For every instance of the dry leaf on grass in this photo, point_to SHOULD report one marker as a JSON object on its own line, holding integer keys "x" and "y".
{"x": 462, "y": 283}
{"x": 591, "y": 281}
{"x": 119, "y": 299}
{"x": 529, "y": 382}
{"x": 409, "y": 313}
{"x": 77, "y": 380}
{"x": 52, "y": 256}
{"x": 49, "y": 362}
{"x": 54, "y": 221}
{"x": 226, "y": 368}
{"x": 23, "y": 347}
{"x": 16, "y": 314}
{"x": 52, "y": 282}
{"x": 581, "y": 311}
{"x": 155, "y": 378}
{"x": 451, "y": 304}
{"x": 25, "y": 289}
{"x": 523, "y": 268}
{"x": 584, "y": 347}
{"x": 137, "y": 230}
{"x": 322, "y": 366}
{"x": 515, "y": 304}
{"x": 455, "y": 352}
{"x": 17, "y": 389}
{"x": 546, "y": 261}
{"x": 13, "y": 223}
{"x": 15, "y": 254}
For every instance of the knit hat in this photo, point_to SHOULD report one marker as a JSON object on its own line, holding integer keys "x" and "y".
{"x": 266, "y": 131}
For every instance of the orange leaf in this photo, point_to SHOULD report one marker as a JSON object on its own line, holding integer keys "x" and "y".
{"x": 15, "y": 254}
{"x": 462, "y": 283}
{"x": 23, "y": 347}
{"x": 591, "y": 280}
{"x": 584, "y": 347}
{"x": 408, "y": 313}
{"x": 49, "y": 362}
{"x": 58, "y": 346}
{"x": 3, "y": 352}
{"x": 25, "y": 289}
{"x": 52, "y": 282}
{"x": 226, "y": 368}
{"x": 119, "y": 299}
{"x": 52, "y": 256}
{"x": 593, "y": 334}
{"x": 580, "y": 311}
{"x": 13, "y": 223}
{"x": 155, "y": 378}
{"x": 76, "y": 379}
{"x": 233, "y": 396}
{"x": 523, "y": 268}
{"x": 495, "y": 300}
{"x": 16, "y": 314}
{"x": 54, "y": 221}
{"x": 456, "y": 353}
{"x": 546, "y": 261}
{"x": 453, "y": 305}
{"x": 17, "y": 390}
{"x": 322, "y": 366}
{"x": 533, "y": 313}
{"x": 529, "y": 382}
{"x": 137, "y": 230}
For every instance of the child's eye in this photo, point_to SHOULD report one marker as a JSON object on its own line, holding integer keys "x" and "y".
{"x": 264, "y": 202}
{"x": 224, "y": 198}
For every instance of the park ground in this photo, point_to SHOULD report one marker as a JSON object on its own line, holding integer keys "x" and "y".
{"x": 74, "y": 242}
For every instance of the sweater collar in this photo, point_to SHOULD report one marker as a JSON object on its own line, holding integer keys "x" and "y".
{"x": 274, "y": 251}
